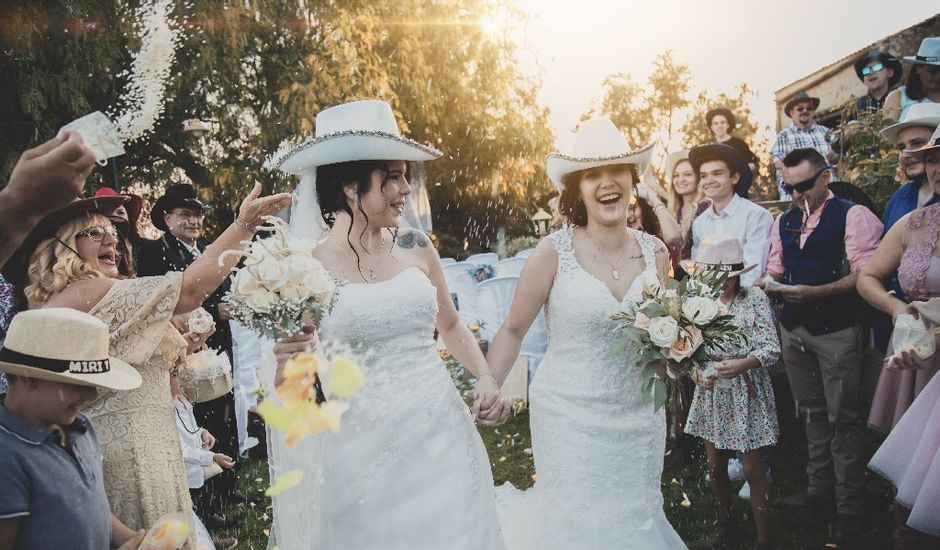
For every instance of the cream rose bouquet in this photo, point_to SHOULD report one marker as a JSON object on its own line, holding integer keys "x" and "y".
{"x": 679, "y": 324}
{"x": 281, "y": 286}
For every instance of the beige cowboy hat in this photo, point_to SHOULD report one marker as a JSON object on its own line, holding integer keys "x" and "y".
{"x": 597, "y": 143}
{"x": 673, "y": 160}
{"x": 359, "y": 130}
{"x": 918, "y": 114}
{"x": 932, "y": 143}
{"x": 721, "y": 253}
{"x": 79, "y": 356}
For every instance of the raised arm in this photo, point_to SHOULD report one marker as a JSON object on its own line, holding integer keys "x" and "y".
{"x": 535, "y": 283}
{"x": 878, "y": 270}
{"x": 205, "y": 274}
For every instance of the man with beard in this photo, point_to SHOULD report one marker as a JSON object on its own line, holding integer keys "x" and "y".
{"x": 802, "y": 132}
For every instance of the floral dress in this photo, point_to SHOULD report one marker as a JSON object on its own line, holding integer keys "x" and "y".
{"x": 742, "y": 416}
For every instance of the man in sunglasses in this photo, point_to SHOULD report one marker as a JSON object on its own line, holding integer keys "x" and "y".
{"x": 818, "y": 247}
{"x": 880, "y": 72}
{"x": 802, "y": 132}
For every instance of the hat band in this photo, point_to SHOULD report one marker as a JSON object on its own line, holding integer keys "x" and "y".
{"x": 932, "y": 59}
{"x": 723, "y": 267}
{"x": 80, "y": 366}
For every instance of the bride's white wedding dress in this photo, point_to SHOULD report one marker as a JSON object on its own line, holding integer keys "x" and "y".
{"x": 407, "y": 470}
{"x": 598, "y": 446}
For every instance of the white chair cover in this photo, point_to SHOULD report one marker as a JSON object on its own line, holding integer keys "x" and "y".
{"x": 487, "y": 258}
{"x": 465, "y": 287}
{"x": 448, "y": 261}
{"x": 524, "y": 253}
{"x": 510, "y": 267}
{"x": 451, "y": 271}
{"x": 494, "y": 298}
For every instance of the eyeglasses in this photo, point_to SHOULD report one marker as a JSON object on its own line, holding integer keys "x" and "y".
{"x": 874, "y": 68}
{"x": 98, "y": 232}
{"x": 187, "y": 214}
{"x": 805, "y": 185}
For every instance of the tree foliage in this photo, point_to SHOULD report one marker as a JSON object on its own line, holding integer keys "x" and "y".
{"x": 259, "y": 72}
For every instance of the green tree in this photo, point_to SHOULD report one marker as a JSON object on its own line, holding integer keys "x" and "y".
{"x": 259, "y": 71}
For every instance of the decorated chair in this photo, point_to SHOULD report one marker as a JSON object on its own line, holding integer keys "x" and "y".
{"x": 483, "y": 258}
{"x": 510, "y": 267}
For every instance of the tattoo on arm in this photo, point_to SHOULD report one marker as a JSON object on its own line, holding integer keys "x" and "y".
{"x": 412, "y": 238}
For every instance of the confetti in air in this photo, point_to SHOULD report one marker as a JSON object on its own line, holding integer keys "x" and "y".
{"x": 143, "y": 99}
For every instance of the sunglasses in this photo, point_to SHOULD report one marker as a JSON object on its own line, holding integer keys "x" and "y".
{"x": 874, "y": 68}
{"x": 98, "y": 232}
{"x": 805, "y": 185}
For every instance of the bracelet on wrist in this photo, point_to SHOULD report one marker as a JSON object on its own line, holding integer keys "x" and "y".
{"x": 244, "y": 225}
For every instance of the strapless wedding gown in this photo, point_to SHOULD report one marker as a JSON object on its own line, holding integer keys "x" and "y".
{"x": 407, "y": 470}
{"x": 598, "y": 446}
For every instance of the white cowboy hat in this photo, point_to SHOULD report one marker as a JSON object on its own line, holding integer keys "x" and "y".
{"x": 928, "y": 53}
{"x": 598, "y": 143}
{"x": 918, "y": 114}
{"x": 79, "y": 354}
{"x": 932, "y": 143}
{"x": 359, "y": 130}
{"x": 719, "y": 252}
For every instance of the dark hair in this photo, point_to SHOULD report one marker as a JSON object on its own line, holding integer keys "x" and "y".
{"x": 126, "y": 266}
{"x": 648, "y": 219}
{"x": 570, "y": 204}
{"x": 805, "y": 154}
{"x": 711, "y": 158}
{"x": 913, "y": 87}
{"x": 331, "y": 178}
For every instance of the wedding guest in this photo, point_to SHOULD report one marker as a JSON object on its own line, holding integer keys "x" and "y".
{"x": 125, "y": 219}
{"x": 733, "y": 409}
{"x": 44, "y": 178}
{"x": 648, "y": 213}
{"x": 721, "y": 169}
{"x": 50, "y": 459}
{"x": 685, "y": 202}
{"x": 802, "y": 132}
{"x": 923, "y": 80}
{"x": 880, "y": 72}
{"x": 818, "y": 247}
{"x": 721, "y": 122}
{"x": 179, "y": 214}
{"x": 908, "y": 250}
{"x": 196, "y": 444}
{"x": 70, "y": 260}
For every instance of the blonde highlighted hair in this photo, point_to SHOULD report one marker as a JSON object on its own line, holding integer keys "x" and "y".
{"x": 54, "y": 265}
{"x": 675, "y": 202}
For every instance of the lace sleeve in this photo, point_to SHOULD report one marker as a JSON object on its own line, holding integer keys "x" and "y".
{"x": 561, "y": 239}
{"x": 138, "y": 312}
{"x": 764, "y": 342}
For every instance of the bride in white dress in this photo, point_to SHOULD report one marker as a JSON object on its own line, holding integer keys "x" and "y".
{"x": 408, "y": 469}
{"x": 598, "y": 446}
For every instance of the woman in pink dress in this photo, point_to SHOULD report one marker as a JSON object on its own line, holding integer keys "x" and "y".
{"x": 910, "y": 456}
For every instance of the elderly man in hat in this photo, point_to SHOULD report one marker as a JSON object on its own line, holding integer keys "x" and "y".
{"x": 179, "y": 213}
{"x": 721, "y": 169}
{"x": 802, "y": 132}
{"x": 818, "y": 247}
{"x": 880, "y": 72}
{"x": 50, "y": 459}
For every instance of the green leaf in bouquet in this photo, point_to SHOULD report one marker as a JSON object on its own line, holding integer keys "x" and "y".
{"x": 660, "y": 393}
{"x": 653, "y": 309}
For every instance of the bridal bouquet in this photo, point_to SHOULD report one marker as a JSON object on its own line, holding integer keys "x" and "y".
{"x": 679, "y": 323}
{"x": 281, "y": 286}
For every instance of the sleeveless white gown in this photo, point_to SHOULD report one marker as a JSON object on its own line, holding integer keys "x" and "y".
{"x": 408, "y": 469}
{"x": 598, "y": 446}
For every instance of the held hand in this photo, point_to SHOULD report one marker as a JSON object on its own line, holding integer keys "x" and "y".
{"x": 133, "y": 543}
{"x": 196, "y": 340}
{"x": 798, "y": 294}
{"x": 497, "y": 414}
{"x": 906, "y": 360}
{"x": 51, "y": 175}
{"x": 255, "y": 207}
{"x": 223, "y": 461}
{"x": 208, "y": 440}
{"x": 704, "y": 382}
{"x": 730, "y": 368}
{"x": 225, "y": 313}
{"x": 485, "y": 394}
{"x": 289, "y": 346}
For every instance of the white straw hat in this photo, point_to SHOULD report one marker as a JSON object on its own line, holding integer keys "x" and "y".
{"x": 64, "y": 345}
{"x": 598, "y": 143}
{"x": 719, "y": 252}
{"x": 918, "y": 114}
{"x": 359, "y": 130}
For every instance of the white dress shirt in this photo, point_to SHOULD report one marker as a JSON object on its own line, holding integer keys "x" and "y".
{"x": 743, "y": 219}
{"x": 195, "y": 457}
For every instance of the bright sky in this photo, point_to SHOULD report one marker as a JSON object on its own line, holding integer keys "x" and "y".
{"x": 574, "y": 44}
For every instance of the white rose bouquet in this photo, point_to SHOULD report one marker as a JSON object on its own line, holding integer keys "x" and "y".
{"x": 281, "y": 286}
{"x": 679, "y": 323}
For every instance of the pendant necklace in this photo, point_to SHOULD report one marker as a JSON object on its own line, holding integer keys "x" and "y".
{"x": 613, "y": 265}
{"x": 378, "y": 259}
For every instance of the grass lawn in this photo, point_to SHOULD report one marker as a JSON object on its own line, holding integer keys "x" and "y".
{"x": 510, "y": 454}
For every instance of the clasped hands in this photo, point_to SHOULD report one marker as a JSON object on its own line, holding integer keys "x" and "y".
{"x": 726, "y": 369}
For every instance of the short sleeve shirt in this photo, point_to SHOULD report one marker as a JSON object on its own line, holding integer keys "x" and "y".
{"x": 57, "y": 492}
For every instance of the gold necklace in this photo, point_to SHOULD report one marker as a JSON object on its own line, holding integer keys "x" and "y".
{"x": 615, "y": 273}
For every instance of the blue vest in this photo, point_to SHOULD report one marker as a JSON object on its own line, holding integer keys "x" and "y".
{"x": 821, "y": 261}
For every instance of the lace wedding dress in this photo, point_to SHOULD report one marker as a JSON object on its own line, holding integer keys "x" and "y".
{"x": 407, "y": 470}
{"x": 598, "y": 446}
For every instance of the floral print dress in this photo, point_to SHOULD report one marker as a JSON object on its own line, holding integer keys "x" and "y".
{"x": 743, "y": 415}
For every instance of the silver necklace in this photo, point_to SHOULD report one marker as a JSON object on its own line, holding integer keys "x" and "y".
{"x": 615, "y": 273}
{"x": 378, "y": 259}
